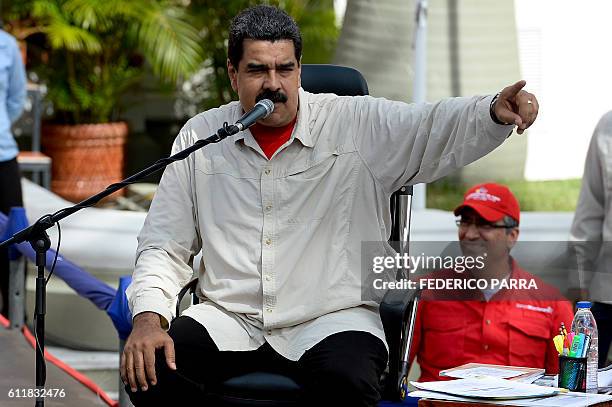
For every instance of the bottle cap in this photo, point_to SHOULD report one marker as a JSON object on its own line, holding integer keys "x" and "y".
{"x": 583, "y": 304}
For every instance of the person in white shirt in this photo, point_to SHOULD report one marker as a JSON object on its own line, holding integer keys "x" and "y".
{"x": 591, "y": 234}
{"x": 279, "y": 213}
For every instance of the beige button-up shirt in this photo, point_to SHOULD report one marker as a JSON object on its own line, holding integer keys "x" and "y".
{"x": 281, "y": 238}
{"x": 593, "y": 219}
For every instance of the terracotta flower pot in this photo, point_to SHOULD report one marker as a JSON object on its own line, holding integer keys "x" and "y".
{"x": 86, "y": 157}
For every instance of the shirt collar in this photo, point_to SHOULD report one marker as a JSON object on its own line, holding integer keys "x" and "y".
{"x": 516, "y": 273}
{"x": 301, "y": 130}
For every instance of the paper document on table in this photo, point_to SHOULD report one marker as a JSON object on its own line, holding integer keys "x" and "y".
{"x": 482, "y": 371}
{"x": 522, "y": 374}
{"x": 487, "y": 388}
{"x": 565, "y": 399}
{"x": 604, "y": 377}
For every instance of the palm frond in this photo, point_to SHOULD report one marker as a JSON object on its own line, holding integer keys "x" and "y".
{"x": 86, "y": 14}
{"x": 65, "y": 36}
{"x": 101, "y": 14}
{"x": 168, "y": 41}
{"x": 46, "y": 10}
{"x": 61, "y": 32}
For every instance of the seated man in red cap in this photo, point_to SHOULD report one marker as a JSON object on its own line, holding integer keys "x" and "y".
{"x": 508, "y": 316}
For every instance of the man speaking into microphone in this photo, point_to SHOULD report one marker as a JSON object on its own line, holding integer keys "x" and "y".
{"x": 279, "y": 212}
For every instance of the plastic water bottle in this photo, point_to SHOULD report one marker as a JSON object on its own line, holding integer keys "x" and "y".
{"x": 584, "y": 322}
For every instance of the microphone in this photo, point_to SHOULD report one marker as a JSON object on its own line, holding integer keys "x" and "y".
{"x": 261, "y": 110}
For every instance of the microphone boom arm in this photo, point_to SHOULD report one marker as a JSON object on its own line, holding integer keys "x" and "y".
{"x": 47, "y": 221}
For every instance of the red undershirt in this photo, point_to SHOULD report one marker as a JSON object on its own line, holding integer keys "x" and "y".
{"x": 271, "y": 138}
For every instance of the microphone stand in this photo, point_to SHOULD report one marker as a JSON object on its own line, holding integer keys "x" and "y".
{"x": 37, "y": 236}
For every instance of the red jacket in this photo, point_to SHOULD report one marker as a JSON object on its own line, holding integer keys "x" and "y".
{"x": 510, "y": 329}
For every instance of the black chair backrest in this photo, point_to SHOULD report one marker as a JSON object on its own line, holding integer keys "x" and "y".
{"x": 341, "y": 80}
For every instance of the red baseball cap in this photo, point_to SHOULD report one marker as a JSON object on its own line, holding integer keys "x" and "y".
{"x": 491, "y": 201}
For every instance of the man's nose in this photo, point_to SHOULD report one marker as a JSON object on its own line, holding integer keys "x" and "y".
{"x": 472, "y": 232}
{"x": 272, "y": 81}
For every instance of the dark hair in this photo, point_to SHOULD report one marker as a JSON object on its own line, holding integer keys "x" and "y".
{"x": 265, "y": 23}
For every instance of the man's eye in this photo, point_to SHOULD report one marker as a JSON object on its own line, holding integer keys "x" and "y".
{"x": 257, "y": 69}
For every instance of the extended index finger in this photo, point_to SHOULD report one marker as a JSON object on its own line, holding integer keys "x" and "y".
{"x": 512, "y": 90}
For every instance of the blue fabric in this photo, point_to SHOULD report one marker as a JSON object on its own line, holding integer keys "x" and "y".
{"x": 18, "y": 221}
{"x": 119, "y": 312}
{"x": 12, "y": 93}
{"x": 106, "y": 298}
{"x": 409, "y": 401}
{"x": 87, "y": 286}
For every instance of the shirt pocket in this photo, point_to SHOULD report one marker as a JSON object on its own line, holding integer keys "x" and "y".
{"x": 217, "y": 165}
{"x": 529, "y": 337}
{"x": 444, "y": 339}
{"x": 309, "y": 191}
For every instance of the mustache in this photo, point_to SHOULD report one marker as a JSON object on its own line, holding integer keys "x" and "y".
{"x": 276, "y": 96}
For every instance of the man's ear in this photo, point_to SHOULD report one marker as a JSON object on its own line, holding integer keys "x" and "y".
{"x": 512, "y": 238}
{"x": 233, "y": 75}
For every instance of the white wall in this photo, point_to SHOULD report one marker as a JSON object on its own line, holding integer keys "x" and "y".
{"x": 565, "y": 49}
{"x": 339, "y": 9}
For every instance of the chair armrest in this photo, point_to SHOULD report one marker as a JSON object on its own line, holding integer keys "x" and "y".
{"x": 191, "y": 286}
{"x": 398, "y": 312}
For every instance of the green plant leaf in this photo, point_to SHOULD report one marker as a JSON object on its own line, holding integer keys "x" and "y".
{"x": 61, "y": 32}
{"x": 65, "y": 36}
{"x": 168, "y": 42}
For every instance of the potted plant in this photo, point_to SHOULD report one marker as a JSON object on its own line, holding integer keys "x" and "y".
{"x": 89, "y": 54}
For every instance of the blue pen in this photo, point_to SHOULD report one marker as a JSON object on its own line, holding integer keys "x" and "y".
{"x": 587, "y": 343}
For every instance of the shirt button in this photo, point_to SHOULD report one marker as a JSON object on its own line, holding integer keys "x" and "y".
{"x": 268, "y": 241}
{"x": 267, "y": 171}
{"x": 268, "y": 310}
{"x": 268, "y": 208}
{"x": 269, "y": 332}
{"x": 267, "y": 278}
{"x": 488, "y": 322}
{"x": 485, "y": 347}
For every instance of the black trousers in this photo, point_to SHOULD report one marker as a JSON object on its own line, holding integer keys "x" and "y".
{"x": 603, "y": 316}
{"x": 343, "y": 369}
{"x": 10, "y": 195}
